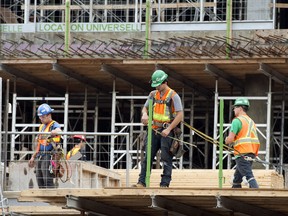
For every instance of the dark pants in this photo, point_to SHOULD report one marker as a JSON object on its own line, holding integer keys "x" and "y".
{"x": 163, "y": 143}
{"x": 43, "y": 175}
{"x": 244, "y": 168}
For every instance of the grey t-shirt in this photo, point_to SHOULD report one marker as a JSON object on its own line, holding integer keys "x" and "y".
{"x": 176, "y": 101}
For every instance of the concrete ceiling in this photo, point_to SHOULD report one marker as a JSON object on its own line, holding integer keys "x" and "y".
{"x": 57, "y": 76}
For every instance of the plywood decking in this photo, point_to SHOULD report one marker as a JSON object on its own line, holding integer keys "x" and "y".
{"x": 151, "y": 201}
{"x": 203, "y": 178}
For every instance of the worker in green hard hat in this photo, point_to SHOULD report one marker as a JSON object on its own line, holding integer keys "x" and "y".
{"x": 167, "y": 114}
{"x": 243, "y": 137}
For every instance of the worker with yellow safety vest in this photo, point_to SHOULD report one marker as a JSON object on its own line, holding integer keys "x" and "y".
{"x": 243, "y": 137}
{"x": 46, "y": 143}
{"x": 80, "y": 142}
{"x": 167, "y": 114}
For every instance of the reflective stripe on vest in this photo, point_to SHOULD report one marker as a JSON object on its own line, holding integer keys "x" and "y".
{"x": 72, "y": 152}
{"x": 163, "y": 110}
{"x": 246, "y": 141}
{"x": 42, "y": 138}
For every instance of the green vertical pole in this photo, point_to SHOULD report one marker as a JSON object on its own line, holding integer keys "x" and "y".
{"x": 148, "y": 150}
{"x": 67, "y": 25}
{"x": 220, "y": 174}
{"x": 147, "y": 24}
{"x": 228, "y": 27}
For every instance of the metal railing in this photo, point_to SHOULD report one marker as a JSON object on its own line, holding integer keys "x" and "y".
{"x": 107, "y": 11}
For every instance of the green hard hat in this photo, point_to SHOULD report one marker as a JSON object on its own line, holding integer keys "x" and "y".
{"x": 242, "y": 101}
{"x": 158, "y": 77}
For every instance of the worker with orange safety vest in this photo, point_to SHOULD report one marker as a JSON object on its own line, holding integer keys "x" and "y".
{"x": 167, "y": 114}
{"x": 46, "y": 143}
{"x": 80, "y": 142}
{"x": 243, "y": 137}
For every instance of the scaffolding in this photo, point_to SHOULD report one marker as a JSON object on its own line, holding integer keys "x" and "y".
{"x": 133, "y": 11}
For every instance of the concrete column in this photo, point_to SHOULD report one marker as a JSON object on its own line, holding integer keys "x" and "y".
{"x": 258, "y": 85}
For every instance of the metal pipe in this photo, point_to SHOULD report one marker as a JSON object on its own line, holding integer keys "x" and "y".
{"x": 282, "y": 129}
{"x": 268, "y": 132}
{"x": 2, "y": 174}
{"x": 13, "y": 125}
{"x": 65, "y": 122}
{"x": 67, "y": 25}
{"x": 148, "y": 30}
{"x": 113, "y": 119}
{"x": 6, "y": 133}
{"x": 215, "y": 123}
{"x": 191, "y": 149}
{"x": 228, "y": 27}
{"x": 96, "y": 116}
{"x": 26, "y": 11}
{"x": 220, "y": 173}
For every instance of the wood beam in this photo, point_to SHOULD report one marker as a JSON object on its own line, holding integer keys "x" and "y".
{"x": 172, "y": 206}
{"x": 242, "y": 207}
{"x": 206, "y": 61}
{"x": 125, "y": 77}
{"x": 279, "y": 5}
{"x": 87, "y": 81}
{"x": 215, "y": 71}
{"x": 187, "y": 82}
{"x": 274, "y": 74}
{"x": 27, "y": 61}
{"x": 35, "y": 81}
{"x": 82, "y": 204}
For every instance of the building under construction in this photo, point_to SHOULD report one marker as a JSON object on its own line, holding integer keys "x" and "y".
{"x": 92, "y": 60}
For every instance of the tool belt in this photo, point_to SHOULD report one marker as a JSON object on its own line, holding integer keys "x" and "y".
{"x": 161, "y": 124}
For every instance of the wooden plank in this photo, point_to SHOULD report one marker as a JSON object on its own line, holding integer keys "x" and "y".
{"x": 206, "y": 61}
{"x": 27, "y": 61}
{"x": 47, "y": 210}
{"x": 279, "y": 5}
{"x": 123, "y": 192}
{"x": 205, "y": 178}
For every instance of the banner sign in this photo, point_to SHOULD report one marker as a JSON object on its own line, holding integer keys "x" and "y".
{"x": 74, "y": 27}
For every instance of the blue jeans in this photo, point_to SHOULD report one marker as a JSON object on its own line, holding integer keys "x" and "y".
{"x": 244, "y": 168}
{"x": 163, "y": 143}
{"x": 43, "y": 175}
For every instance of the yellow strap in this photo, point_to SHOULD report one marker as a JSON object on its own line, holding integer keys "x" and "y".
{"x": 207, "y": 138}
{"x": 176, "y": 139}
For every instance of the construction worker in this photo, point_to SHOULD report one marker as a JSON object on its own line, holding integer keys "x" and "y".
{"x": 167, "y": 114}
{"x": 243, "y": 137}
{"x": 79, "y": 141}
{"x": 46, "y": 144}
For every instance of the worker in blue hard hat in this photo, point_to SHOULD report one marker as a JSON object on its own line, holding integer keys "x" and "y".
{"x": 46, "y": 144}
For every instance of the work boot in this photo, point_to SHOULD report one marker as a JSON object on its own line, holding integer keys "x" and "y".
{"x": 164, "y": 186}
{"x": 236, "y": 185}
{"x": 139, "y": 185}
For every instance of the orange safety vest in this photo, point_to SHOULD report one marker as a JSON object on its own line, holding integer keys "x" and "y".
{"x": 163, "y": 109}
{"x": 42, "y": 138}
{"x": 246, "y": 141}
{"x": 72, "y": 152}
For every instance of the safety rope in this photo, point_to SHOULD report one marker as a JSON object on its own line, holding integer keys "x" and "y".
{"x": 208, "y": 138}
{"x": 228, "y": 148}
{"x": 174, "y": 138}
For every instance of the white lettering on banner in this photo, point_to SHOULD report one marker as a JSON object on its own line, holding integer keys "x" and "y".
{"x": 89, "y": 27}
{"x": 6, "y": 28}
{"x": 74, "y": 27}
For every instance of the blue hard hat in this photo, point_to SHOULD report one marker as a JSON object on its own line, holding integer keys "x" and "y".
{"x": 44, "y": 109}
